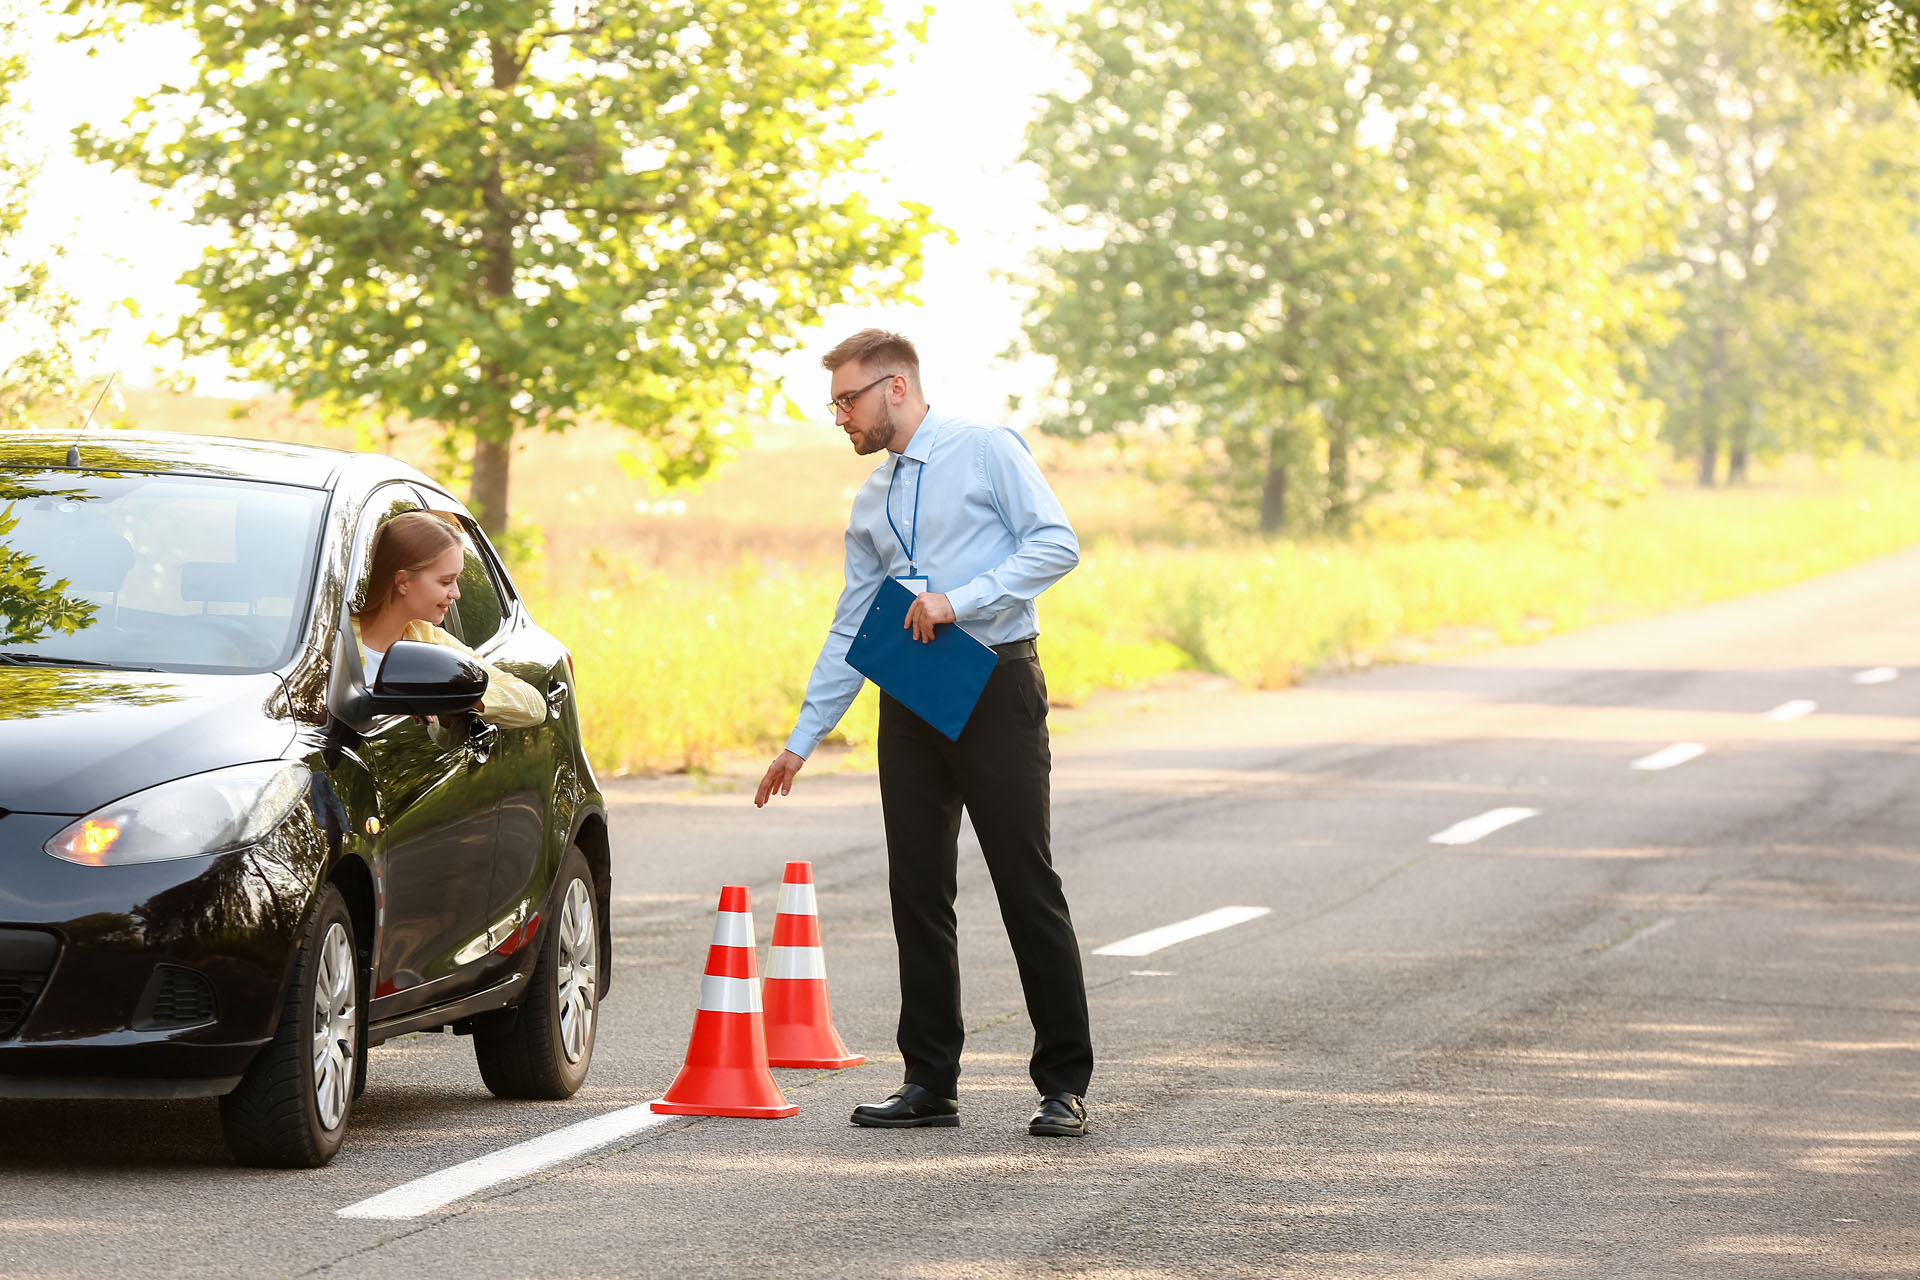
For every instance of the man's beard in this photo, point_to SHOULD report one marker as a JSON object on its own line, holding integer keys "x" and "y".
{"x": 879, "y": 435}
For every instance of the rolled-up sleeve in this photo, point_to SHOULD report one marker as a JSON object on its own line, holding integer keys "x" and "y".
{"x": 1045, "y": 547}
{"x": 833, "y": 685}
{"x": 509, "y": 702}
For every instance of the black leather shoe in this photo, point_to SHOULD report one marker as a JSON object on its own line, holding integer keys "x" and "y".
{"x": 911, "y": 1107}
{"x": 1061, "y": 1115}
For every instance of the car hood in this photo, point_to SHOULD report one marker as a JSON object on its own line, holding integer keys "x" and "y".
{"x": 73, "y": 739}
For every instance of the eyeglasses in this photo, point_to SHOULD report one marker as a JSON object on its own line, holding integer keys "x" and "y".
{"x": 843, "y": 403}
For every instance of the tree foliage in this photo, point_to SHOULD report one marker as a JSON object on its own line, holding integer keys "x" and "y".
{"x": 503, "y": 215}
{"x": 1797, "y": 256}
{"x": 1351, "y": 240}
{"x": 31, "y": 605}
{"x": 1861, "y": 33}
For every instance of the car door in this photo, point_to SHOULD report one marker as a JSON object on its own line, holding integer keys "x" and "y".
{"x": 436, "y": 810}
{"x": 522, "y": 763}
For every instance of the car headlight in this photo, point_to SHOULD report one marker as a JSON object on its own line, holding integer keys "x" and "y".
{"x": 205, "y": 813}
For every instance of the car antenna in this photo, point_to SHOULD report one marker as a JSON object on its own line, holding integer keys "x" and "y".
{"x": 73, "y": 450}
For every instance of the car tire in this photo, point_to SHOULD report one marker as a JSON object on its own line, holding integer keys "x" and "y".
{"x": 290, "y": 1109}
{"x": 546, "y": 1048}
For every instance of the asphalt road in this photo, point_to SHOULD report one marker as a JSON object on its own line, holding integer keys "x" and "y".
{"x": 1666, "y": 1024}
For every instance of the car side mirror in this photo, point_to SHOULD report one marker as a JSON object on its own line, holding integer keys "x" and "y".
{"x": 419, "y": 679}
{"x": 416, "y": 680}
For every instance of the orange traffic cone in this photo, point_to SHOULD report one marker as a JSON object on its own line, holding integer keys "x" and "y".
{"x": 799, "y": 1018}
{"x": 726, "y": 1071}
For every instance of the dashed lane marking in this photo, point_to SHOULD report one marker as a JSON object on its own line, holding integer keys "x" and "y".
{"x": 1482, "y": 825}
{"x": 1876, "y": 675}
{"x": 1145, "y": 944}
{"x": 1667, "y": 757}
{"x": 1791, "y": 710}
{"x": 436, "y": 1190}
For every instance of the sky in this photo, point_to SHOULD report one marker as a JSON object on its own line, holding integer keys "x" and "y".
{"x": 952, "y": 133}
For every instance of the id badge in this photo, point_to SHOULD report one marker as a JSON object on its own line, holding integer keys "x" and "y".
{"x": 916, "y": 585}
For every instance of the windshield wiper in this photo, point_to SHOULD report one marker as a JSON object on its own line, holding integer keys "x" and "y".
{"x": 15, "y": 658}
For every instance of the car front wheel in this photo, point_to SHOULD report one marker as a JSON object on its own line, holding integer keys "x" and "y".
{"x": 290, "y": 1109}
{"x": 545, "y": 1050}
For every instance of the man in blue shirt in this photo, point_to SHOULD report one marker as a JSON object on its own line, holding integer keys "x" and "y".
{"x": 961, "y": 514}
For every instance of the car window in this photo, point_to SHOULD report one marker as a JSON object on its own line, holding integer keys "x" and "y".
{"x": 383, "y": 506}
{"x": 476, "y": 616}
{"x": 156, "y": 570}
{"x": 480, "y": 608}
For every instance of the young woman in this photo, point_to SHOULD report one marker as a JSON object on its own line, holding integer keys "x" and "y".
{"x": 417, "y": 558}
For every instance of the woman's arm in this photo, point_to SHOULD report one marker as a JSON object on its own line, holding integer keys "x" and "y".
{"x": 510, "y": 702}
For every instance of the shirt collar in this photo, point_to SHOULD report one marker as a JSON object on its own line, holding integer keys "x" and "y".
{"x": 921, "y": 446}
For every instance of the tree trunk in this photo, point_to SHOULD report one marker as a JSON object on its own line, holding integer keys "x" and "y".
{"x": 1273, "y": 496}
{"x": 488, "y": 494}
{"x": 493, "y": 429}
{"x": 1339, "y": 496}
{"x": 1709, "y": 460}
{"x": 1741, "y": 445}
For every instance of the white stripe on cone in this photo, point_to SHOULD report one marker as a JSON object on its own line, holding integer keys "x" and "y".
{"x": 733, "y": 929}
{"x": 729, "y": 995}
{"x": 797, "y": 962}
{"x": 798, "y": 900}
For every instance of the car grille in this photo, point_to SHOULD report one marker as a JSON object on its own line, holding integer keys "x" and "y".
{"x": 26, "y": 958}
{"x": 174, "y": 997}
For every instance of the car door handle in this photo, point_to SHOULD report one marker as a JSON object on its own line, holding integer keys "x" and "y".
{"x": 480, "y": 739}
{"x": 556, "y": 694}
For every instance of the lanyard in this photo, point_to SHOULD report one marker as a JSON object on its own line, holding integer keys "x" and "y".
{"x": 907, "y": 544}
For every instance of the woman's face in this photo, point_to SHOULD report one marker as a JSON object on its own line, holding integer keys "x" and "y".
{"x": 426, "y": 594}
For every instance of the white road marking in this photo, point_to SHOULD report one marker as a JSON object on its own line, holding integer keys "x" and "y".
{"x": 424, "y": 1195}
{"x": 1667, "y": 757}
{"x": 1791, "y": 710}
{"x": 1484, "y": 825}
{"x": 1149, "y": 973}
{"x": 1145, "y": 944}
{"x": 1876, "y": 675}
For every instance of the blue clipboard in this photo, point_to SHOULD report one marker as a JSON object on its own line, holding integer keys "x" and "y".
{"x": 939, "y": 681}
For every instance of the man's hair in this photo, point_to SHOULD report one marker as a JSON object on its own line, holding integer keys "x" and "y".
{"x": 878, "y": 350}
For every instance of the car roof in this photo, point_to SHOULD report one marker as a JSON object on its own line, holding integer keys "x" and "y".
{"x": 182, "y": 453}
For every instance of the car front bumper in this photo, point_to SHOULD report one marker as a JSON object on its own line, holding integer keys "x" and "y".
{"x": 162, "y": 979}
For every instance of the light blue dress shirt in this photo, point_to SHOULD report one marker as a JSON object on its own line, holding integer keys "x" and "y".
{"x": 989, "y": 534}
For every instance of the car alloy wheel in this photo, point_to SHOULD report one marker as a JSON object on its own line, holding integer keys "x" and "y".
{"x": 578, "y": 971}
{"x": 290, "y": 1109}
{"x": 336, "y": 1016}
{"x": 543, "y": 1047}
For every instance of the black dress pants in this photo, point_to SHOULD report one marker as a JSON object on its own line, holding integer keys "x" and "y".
{"x": 1000, "y": 771}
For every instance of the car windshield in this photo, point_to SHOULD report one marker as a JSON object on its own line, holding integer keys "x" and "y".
{"x": 161, "y": 571}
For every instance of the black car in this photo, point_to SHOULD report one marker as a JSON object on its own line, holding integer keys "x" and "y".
{"x": 227, "y": 865}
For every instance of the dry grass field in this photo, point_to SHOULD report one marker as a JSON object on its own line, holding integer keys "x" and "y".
{"x": 695, "y": 615}
{"x": 782, "y": 499}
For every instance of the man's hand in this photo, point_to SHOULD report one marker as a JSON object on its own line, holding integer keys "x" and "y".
{"x": 779, "y": 777}
{"x": 928, "y": 610}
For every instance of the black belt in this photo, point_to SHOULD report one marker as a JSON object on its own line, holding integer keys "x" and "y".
{"x": 1014, "y": 650}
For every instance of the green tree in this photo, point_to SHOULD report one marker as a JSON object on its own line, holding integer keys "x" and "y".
{"x": 1863, "y": 33}
{"x": 40, "y": 331}
{"x": 1358, "y": 241}
{"x": 504, "y": 215}
{"x": 1788, "y": 334}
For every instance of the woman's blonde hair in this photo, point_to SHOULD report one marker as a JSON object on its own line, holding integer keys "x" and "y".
{"x": 410, "y": 541}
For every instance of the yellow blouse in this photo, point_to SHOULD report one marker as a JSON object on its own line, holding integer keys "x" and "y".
{"x": 509, "y": 702}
